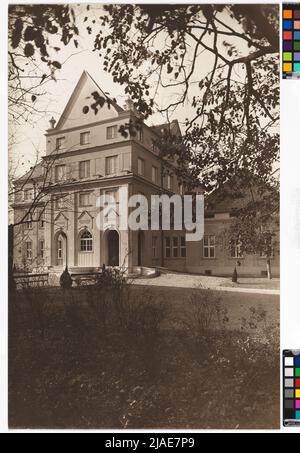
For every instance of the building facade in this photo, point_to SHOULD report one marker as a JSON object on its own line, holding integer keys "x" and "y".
{"x": 87, "y": 156}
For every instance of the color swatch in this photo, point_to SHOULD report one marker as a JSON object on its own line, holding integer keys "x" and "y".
{"x": 291, "y": 388}
{"x": 291, "y": 40}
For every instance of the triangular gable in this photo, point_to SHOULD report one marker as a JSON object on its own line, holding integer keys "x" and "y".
{"x": 73, "y": 115}
{"x": 61, "y": 215}
{"x": 175, "y": 128}
{"x": 84, "y": 214}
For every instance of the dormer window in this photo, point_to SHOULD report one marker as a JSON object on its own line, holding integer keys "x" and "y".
{"x": 60, "y": 142}
{"x": 84, "y": 138}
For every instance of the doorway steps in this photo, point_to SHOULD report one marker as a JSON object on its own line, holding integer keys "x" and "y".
{"x": 144, "y": 272}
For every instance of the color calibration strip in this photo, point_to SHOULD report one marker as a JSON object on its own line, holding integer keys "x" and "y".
{"x": 291, "y": 388}
{"x": 291, "y": 40}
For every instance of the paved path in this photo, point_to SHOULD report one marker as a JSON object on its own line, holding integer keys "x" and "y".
{"x": 205, "y": 282}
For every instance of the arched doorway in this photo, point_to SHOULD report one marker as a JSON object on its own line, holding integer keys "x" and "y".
{"x": 113, "y": 248}
{"x": 61, "y": 249}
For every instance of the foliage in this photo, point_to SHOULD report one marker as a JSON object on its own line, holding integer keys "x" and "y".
{"x": 36, "y": 34}
{"x": 255, "y": 225}
{"x": 65, "y": 279}
{"x": 77, "y": 375}
{"x": 233, "y": 131}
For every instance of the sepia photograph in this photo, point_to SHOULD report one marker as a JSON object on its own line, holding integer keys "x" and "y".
{"x": 143, "y": 235}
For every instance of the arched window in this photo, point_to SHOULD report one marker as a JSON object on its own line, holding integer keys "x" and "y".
{"x": 86, "y": 242}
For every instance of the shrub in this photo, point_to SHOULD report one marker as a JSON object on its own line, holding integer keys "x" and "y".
{"x": 65, "y": 279}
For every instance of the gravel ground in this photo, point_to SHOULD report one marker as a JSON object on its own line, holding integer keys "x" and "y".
{"x": 183, "y": 281}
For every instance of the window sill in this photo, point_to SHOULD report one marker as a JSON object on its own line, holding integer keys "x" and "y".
{"x": 86, "y": 251}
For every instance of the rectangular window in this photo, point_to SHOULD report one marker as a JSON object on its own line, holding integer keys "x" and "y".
{"x": 86, "y": 242}
{"x": 111, "y": 132}
{"x": 168, "y": 247}
{"x": 29, "y": 250}
{"x": 169, "y": 182}
{"x": 60, "y": 142}
{"x": 154, "y": 247}
{"x": 84, "y": 138}
{"x": 42, "y": 219}
{"x": 111, "y": 165}
{"x": 61, "y": 201}
{"x": 154, "y": 174}
{"x": 59, "y": 249}
{"x": 28, "y": 194}
{"x": 84, "y": 169}
{"x": 263, "y": 254}
{"x": 235, "y": 251}
{"x": 28, "y": 222}
{"x": 60, "y": 173}
{"x": 112, "y": 194}
{"x": 84, "y": 199}
{"x": 175, "y": 247}
{"x": 42, "y": 249}
{"x": 141, "y": 166}
{"x": 141, "y": 134}
{"x": 182, "y": 247}
{"x": 209, "y": 245}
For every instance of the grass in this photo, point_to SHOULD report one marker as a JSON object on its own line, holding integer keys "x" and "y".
{"x": 78, "y": 359}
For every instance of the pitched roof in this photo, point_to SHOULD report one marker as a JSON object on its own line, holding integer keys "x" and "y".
{"x": 172, "y": 127}
{"x": 35, "y": 172}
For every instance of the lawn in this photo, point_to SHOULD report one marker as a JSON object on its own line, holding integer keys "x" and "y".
{"x": 255, "y": 283}
{"x": 128, "y": 358}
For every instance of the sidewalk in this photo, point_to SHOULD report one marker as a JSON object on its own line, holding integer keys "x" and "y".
{"x": 252, "y": 285}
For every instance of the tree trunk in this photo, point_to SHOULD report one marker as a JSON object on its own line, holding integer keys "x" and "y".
{"x": 269, "y": 273}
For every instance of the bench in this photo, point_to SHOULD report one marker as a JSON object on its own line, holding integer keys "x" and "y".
{"x": 86, "y": 278}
